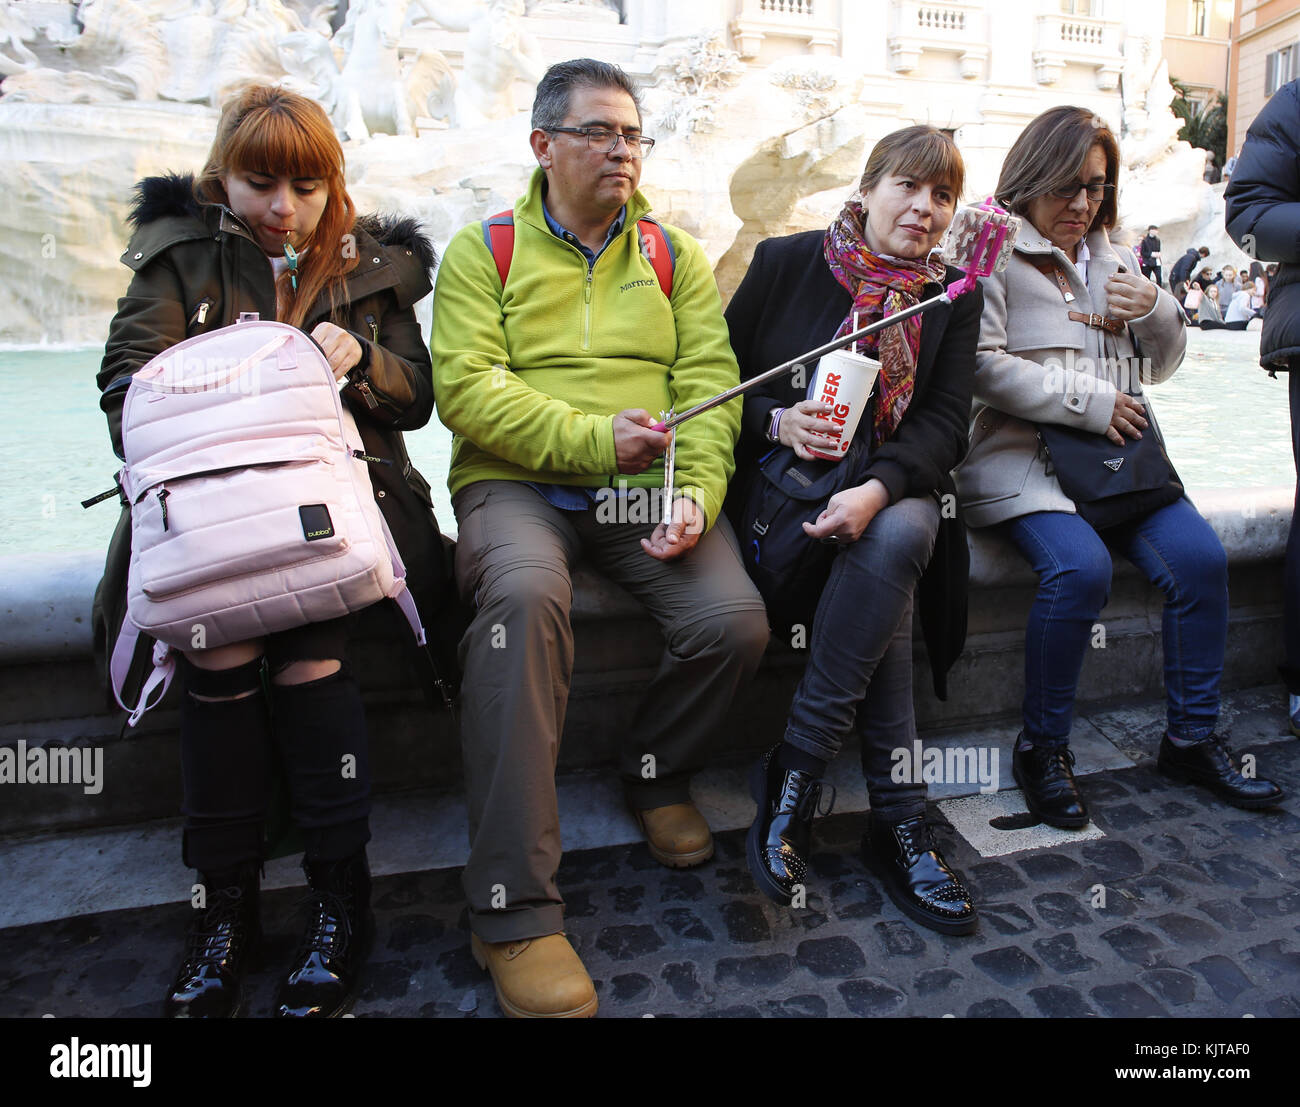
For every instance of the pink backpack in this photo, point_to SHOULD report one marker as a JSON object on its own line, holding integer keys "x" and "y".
{"x": 251, "y": 504}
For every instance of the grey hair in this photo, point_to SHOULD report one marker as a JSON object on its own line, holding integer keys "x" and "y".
{"x": 551, "y": 104}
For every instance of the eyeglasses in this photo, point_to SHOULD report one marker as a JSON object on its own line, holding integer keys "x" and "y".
{"x": 606, "y": 142}
{"x": 1096, "y": 190}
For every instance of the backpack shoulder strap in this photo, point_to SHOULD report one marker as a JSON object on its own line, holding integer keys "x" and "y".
{"x": 499, "y": 238}
{"x": 658, "y": 250}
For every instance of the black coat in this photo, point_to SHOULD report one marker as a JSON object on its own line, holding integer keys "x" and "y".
{"x": 790, "y": 302}
{"x": 1184, "y": 265}
{"x": 1263, "y": 217}
{"x": 195, "y": 269}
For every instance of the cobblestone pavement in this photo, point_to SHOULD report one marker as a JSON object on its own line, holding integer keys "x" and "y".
{"x": 1201, "y": 917}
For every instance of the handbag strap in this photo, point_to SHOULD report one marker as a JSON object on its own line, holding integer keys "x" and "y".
{"x": 1049, "y": 268}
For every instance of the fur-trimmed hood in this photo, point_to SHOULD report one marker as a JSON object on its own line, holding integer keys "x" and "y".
{"x": 172, "y": 196}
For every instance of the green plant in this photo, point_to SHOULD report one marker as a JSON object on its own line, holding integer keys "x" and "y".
{"x": 1205, "y": 126}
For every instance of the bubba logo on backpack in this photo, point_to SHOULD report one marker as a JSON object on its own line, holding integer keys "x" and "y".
{"x": 251, "y": 504}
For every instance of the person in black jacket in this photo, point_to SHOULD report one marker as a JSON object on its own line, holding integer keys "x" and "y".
{"x": 1149, "y": 255}
{"x": 203, "y": 252}
{"x": 799, "y": 292}
{"x": 1182, "y": 270}
{"x": 1263, "y": 218}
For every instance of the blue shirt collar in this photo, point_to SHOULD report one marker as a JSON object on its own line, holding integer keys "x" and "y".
{"x": 560, "y": 231}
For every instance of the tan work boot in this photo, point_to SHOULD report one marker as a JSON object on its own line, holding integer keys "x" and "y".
{"x": 537, "y": 978}
{"x": 677, "y": 835}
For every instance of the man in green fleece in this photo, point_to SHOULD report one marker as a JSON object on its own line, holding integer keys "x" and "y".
{"x": 548, "y": 379}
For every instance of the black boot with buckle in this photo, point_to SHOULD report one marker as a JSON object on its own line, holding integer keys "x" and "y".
{"x": 219, "y": 947}
{"x": 780, "y": 838}
{"x": 1211, "y": 764}
{"x": 336, "y": 943}
{"x": 916, "y": 877}
{"x": 1046, "y": 777}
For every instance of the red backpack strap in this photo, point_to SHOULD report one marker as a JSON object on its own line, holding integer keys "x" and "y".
{"x": 658, "y": 250}
{"x": 499, "y": 238}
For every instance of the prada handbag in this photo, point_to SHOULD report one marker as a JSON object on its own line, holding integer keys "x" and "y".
{"x": 1110, "y": 485}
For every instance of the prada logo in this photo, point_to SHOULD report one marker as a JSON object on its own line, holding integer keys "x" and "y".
{"x": 1113, "y": 464}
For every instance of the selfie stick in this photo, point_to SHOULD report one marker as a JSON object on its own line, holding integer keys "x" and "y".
{"x": 979, "y": 242}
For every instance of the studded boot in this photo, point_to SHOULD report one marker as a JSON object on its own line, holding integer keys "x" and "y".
{"x": 916, "y": 877}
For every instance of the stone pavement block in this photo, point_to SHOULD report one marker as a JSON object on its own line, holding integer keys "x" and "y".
{"x": 1008, "y": 965}
{"x": 1175, "y": 986}
{"x": 1061, "y": 952}
{"x": 1060, "y": 1001}
{"x": 971, "y": 816}
{"x": 995, "y": 1008}
{"x": 872, "y": 998}
{"x": 1061, "y": 909}
{"x": 1223, "y": 975}
{"x": 1126, "y": 1001}
{"x": 1133, "y": 944}
{"x": 837, "y": 957}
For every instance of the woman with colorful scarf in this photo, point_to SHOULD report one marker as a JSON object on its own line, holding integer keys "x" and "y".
{"x": 894, "y": 525}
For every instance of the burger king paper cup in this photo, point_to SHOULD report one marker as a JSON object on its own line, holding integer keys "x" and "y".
{"x": 843, "y": 380}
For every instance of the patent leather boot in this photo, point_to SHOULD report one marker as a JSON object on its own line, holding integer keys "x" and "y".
{"x": 916, "y": 877}
{"x": 1046, "y": 777}
{"x": 1212, "y": 765}
{"x": 219, "y": 946}
{"x": 780, "y": 838}
{"x": 340, "y": 929}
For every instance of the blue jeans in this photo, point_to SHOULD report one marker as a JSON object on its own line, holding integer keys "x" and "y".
{"x": 859, "y": 672}
{"x": 1177, "y": 551}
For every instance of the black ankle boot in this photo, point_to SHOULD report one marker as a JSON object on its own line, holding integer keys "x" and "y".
{"x": 1212, "y": 765}
{"x": 916, "y": 876}
{"x": 1046, "y": 777}
{"x": 218, "y": 948}
{"x": 340, "y": 929}
{"x": 780, "y": 838}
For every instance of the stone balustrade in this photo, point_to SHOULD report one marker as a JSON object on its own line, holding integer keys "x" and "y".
{"x": 1063, "y": 40}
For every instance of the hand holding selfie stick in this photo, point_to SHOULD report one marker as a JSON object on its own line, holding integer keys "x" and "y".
{"x": 979, "y": 242}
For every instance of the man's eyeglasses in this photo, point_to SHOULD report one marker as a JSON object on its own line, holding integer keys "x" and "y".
{"x": 605, "y": 142}
{"x": 1096, "y": 190}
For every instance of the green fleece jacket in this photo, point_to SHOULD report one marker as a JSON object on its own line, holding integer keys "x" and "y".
{"x": 529, "y": 377}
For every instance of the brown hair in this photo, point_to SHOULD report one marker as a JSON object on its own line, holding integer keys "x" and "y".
{"x": 275, "y": 131}
{"x": 923, "y": 152}
{"x": 1050, "y": 153}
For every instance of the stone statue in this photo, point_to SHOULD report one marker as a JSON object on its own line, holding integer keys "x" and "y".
{"x": 496, "y": 54}
{"x": 119, "y": 55}
{"x": 371, "y": 91}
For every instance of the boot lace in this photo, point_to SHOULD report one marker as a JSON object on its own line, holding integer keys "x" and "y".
{"x": 210, "y": 938}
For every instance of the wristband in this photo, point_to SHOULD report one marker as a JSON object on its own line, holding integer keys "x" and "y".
{"x": 774, "y": 424}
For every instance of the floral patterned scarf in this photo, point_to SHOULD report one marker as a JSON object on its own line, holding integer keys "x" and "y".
{"x": 881, "y": 286}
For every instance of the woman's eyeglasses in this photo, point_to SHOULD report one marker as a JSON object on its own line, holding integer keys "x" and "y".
{"x": 1095, "y": 189}
{"x": 605, "y": 142}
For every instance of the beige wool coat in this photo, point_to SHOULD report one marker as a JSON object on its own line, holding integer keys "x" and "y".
{"x": 1036, "y": 365}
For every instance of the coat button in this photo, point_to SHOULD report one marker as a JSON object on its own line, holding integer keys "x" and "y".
{"x": 375, "y": 260}
{"x": 380, "y": 494}
{"x": 138, "y": 256}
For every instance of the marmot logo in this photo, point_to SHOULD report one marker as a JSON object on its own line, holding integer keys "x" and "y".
{"x": 637, "y": 284}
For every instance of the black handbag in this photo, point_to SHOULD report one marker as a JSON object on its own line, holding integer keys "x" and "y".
{"x": 789, "y": 568}
{"x": 1110, "y": 484}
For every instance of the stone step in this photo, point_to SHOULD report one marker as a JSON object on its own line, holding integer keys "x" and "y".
{"x": 78, "y": 872}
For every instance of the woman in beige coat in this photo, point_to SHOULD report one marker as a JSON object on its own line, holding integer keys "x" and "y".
{"x": 1070, "y": 331}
